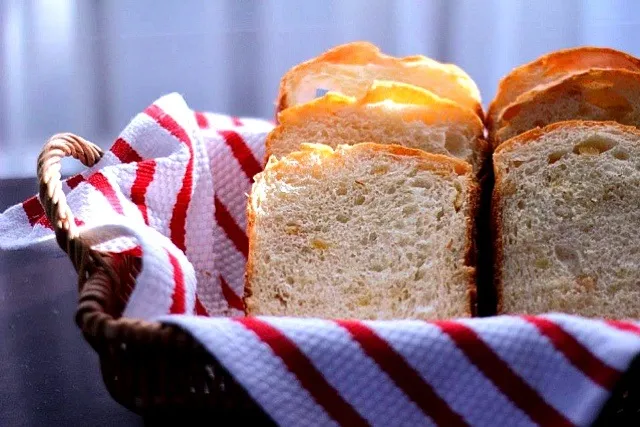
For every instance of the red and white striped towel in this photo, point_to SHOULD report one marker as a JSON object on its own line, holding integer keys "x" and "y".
{"x": 172, "y": 189}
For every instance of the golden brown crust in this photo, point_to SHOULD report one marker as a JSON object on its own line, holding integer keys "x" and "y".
{"x": 353, "y": 53}
{"x": 608, "y": 90}
{"x": 359, "y": 52}
{"x": 553, "y": 66}
{"x": 496, "y": 239}
{"x": 282, "y": 102}
{"x": 470, "y": 245}
{"x": 483, "y": 152}
{"x": 416, "y": 104}
{"x": 534, "y": 134}
{"x": 362, "y": 53}
{"x": 249, "y": 305}
{"x": 326, "y": 103}
{"x": 274, "y": 135}
{"x": 405, "y": 93}
{"x": 424, "y": 102}
{"x": 435, "y": 162}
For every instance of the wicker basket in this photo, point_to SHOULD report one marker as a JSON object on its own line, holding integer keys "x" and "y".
{"x": 158, "y": 370}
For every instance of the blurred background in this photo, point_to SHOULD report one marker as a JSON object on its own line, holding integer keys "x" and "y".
{"x": 88, "y": 66}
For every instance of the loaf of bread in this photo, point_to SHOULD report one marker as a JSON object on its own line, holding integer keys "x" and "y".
{"x": 567, "y": 220}
{"x": 602, "y": 95}
{"x": 586, "y": 83}
{"x": 368, "y": 231}
{"x": 552, "y": 68}
{"x": 388, "y": 113}
{"x": 351, "y": 68}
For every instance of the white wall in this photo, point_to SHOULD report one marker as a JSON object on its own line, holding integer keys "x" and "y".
{"x": 89, "y": 66}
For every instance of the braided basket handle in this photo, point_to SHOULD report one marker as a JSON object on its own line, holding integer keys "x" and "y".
{"x": 53, "y": 198}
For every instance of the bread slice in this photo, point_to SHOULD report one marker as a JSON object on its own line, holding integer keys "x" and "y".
{"x": 366, "y": 231}
{"x": 553, "y": 67}
{"x": 351, "y": 69}
{"x": 603, "y": 95}
{"x": 388, "y": 113}
{"x": 567, "y": 220}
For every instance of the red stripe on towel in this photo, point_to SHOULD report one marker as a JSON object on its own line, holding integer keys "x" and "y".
{"x": 242, "y": 153}
{"x": 580, "y": 356}
{"x": 309, "y": 377}
{"x": 233, "y": 300}
{"x": 144, "y": 175}
{"x": 402, "y": 374}
{"x": 179, "y": 216}
{"x": 201, "y": 119}
{"x": 34, "y": 211}
{"x": 231, "y": 227}
{"x": 624, "y": 326}
{"x": 102, "y": 184}
{"x": 501, "y": 374}
{"x": 178, "y": 302}
{"x": 125, "y": 152}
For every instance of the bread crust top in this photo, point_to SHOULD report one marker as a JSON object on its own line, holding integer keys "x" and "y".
{"x": 536, "y": 133}
{"x": 553, "y": 66}
{"x": 599, "y": 87}
{"x": 312, "y": 153}
{"x": 364, "y": 53}
{"x": 415, "y": 103}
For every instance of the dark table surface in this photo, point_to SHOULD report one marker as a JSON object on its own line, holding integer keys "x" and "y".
{"x": 49, "y": 376}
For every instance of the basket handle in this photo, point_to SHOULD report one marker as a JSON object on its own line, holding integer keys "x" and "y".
{"x": 53, "y": 198}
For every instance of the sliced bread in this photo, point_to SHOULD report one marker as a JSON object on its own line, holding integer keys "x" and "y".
{"x": 553, "y": 67}
{"x": 606, "y": 95}
{"x": 367, "y": 231}
{"x": 567, "y": 220}
{"x": 388, "y": 113}
{"x": 351, "y": 69}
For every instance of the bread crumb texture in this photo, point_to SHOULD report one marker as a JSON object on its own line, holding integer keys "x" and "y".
{"x": 365, "y": 231}
{"x": 569, "y": 209}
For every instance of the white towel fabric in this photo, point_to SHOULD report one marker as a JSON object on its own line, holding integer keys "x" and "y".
{"x": 172, "y": 189}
